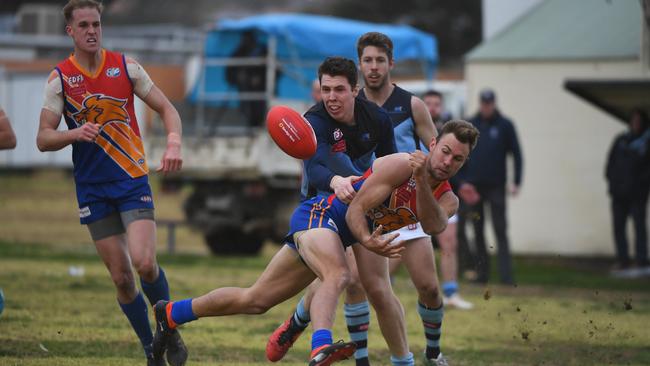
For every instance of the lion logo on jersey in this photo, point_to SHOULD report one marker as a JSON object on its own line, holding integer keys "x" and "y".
{"x": 102, "y": 110}
{"x": 391, "y": 219}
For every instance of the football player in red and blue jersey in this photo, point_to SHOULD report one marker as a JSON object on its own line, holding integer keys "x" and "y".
{"x": 399, "y": 190}
{"x": 93, "y": 89}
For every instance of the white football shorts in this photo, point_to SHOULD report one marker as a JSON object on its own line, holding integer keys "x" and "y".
{"x": 414, "y": 231}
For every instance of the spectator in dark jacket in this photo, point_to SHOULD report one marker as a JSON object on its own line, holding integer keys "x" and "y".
{"x": 483, "y": 182}
{"x": 250, "y": 78}
{"x": 628, "y": 175}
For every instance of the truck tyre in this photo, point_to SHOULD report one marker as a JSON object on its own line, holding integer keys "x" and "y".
{"x": 233, "y": 241}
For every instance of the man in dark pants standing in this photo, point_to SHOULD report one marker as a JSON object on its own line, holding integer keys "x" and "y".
{"x": 483, "y": 181}
{"x": 628, "y": 175}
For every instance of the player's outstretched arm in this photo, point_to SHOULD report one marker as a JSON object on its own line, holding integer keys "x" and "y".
{"x": 424, "y": 126}
{"x": 387, "y": 173}
{"x": 7, "y": 136}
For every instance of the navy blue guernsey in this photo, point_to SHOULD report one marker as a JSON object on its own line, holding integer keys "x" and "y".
{"x": 345, "y": 149}
{"x": 398, "y": 106}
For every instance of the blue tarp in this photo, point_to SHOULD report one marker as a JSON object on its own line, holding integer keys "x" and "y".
{"x": 303, "y": 42}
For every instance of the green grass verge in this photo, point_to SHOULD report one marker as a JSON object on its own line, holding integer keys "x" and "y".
{"x": 559, "y": 314}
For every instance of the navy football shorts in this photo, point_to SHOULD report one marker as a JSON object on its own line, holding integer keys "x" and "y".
{"x": 99, "y": 200}
{"x": 316, "y": 212}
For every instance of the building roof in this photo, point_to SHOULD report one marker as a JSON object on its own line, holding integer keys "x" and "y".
{"x": 568, "y": 30}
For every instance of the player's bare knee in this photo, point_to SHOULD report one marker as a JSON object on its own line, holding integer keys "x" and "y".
{"x": 343, "y": 279}
{"x": 256, "y": 304}
{"x": 428, "y": 291}
{"x": 146, "y": 268}
{"x": 355, "y": 280}
{"x": 355, "y": 288}
{"x": 340, "y": 279}
{"x": 124, "y": 281}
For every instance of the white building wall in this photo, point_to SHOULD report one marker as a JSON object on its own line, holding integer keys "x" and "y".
{"x": 498, "y": 14}
{"x": 563, "y": 207}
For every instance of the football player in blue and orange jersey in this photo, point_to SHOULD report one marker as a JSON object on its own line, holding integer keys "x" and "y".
{"x": 94, "y": 91}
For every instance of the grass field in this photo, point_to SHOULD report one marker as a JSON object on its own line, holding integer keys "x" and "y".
{"x": 562, "y": 313}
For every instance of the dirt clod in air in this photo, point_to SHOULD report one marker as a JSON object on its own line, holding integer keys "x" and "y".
{"x": 627, "y": 304}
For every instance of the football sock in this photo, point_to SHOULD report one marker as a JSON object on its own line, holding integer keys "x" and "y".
{"x": 301, "y": 316}
{"x": 182, "y": 311}
{"x": 364, "y": 361}
{"x": 432, "y": 321}
{"x": 157, "y": 290}
{"x": 449, "y": 288}
{"x": 138, "y": 316}
{"x": 320, "y": 338}
{"x": 357, "y": 318}
{"x": 407, "y": 360}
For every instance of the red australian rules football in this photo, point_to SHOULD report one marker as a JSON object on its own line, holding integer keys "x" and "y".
{"x": 291, "y": 132}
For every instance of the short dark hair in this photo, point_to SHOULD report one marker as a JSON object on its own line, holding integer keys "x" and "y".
{"x": 72, "y": 5}
{"x": 432, "y": 93}
{"x": 339, "y": 66}
{"x": 379, "y": 40}
{"x": 464, "y": 132}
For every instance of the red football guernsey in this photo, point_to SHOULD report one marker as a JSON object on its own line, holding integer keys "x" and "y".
{"x": 104, "y": 98}
{"x": 398, "y": 210}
